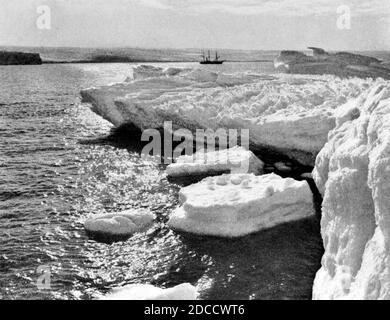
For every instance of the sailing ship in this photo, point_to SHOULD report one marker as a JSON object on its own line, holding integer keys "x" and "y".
{"x": 207, "y": 59}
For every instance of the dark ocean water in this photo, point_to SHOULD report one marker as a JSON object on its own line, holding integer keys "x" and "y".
{"x": 53, "y": 173}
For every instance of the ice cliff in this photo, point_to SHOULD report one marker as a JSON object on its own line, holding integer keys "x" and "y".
{"x": 236, "y": 159}
{"x": 289, "y": 114}
{"x": 353, "y": 173}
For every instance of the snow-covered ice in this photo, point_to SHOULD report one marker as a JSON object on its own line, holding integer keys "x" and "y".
{"x": 142, "y": 72}
{"x": 233, "y": 205}
{"x": 233, "y": 160}
{"x": 123, "y": 223}
{"x": 353, "y": 173}
{"x": 184, "y": 291}
{"x": 291, "y": 114}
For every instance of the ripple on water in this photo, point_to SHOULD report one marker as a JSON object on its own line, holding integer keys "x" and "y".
{"x": 50, "y": 182}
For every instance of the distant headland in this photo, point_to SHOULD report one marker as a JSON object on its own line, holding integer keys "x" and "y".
{"x": 19, "y": 58}
{"x": 65, "y": 55}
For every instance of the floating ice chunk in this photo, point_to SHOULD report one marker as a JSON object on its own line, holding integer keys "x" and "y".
{"x": 307, "y": 175}
{"x": 141, "y": 72}
{"x": 240, "y": 204}
{"x": 184, "y": 291}
{"x": 235, "y": 160}
{"x": 281, "y": 166}
{"x": 118, "y": 224}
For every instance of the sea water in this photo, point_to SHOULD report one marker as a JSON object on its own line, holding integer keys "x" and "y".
{"x": 57, "y": 167}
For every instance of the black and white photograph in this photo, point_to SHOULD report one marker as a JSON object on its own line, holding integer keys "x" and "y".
{"x": 213, "y": 151}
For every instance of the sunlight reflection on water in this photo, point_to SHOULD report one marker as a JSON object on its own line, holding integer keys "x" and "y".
{"x": 50, "y": 182}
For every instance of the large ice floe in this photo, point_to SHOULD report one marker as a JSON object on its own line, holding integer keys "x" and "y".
{"x": 233, "y": 205}
{"x": 233, "y": 160}
{"x": 290, "y": 114}
{"x": 343, "y": 64}
{"x": 122, "y": 224}
{"x": 353, "y": 173}
{"x": 184, "y": 291}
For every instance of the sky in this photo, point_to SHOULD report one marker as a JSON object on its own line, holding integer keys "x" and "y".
{"x": 231, "y": 24}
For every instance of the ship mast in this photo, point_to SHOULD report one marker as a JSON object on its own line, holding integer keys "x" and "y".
{"x": 207, "y": 57}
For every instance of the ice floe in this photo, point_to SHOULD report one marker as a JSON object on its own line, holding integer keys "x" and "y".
{"x": 184, "y": 291}
{"x": 119, "y": 224}
{"x": 282, "y": 167}
{"x": 290, "y": 114}
{"x": 353, "y": 173}
{"x": 233, "y": 205}
{"x": 342, "y": 64}
{"x": 142, "y": 72}
{"x": 233, "y": 160}
{"x": 307, "y": 175}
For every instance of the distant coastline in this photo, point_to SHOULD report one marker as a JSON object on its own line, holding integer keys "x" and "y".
{"x": 19, "y": 58}
{"x": 137, "y": 61}
{"x": 69, "y": 55}
{"x": 116, "y": 61}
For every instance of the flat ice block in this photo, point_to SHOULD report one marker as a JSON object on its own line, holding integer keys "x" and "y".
{"x": 118, "y": 224}
{"x": 233, "y": 205}
{"x": 233, "y": 160}
{"x": 184, "y": 291}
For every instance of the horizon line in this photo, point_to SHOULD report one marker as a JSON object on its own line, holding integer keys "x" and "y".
{"x": 183, "y": 48}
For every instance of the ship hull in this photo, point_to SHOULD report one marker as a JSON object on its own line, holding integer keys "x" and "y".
{"x": 211, "y": 62}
